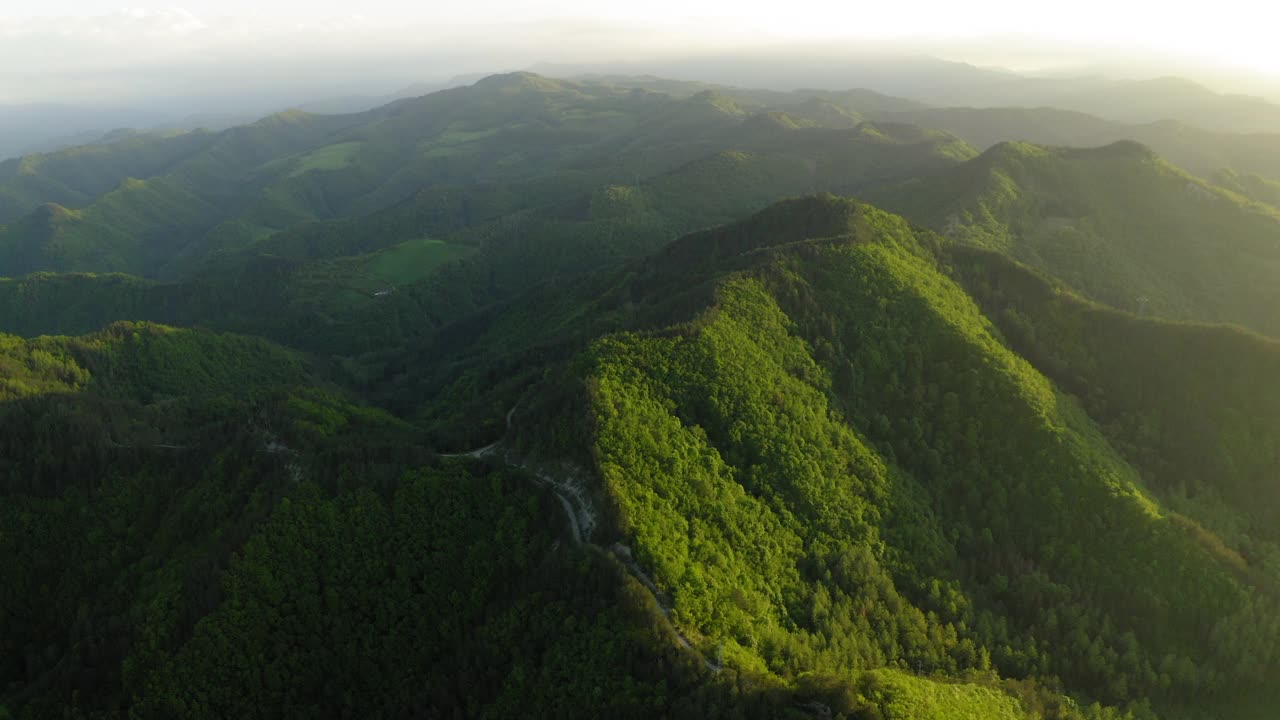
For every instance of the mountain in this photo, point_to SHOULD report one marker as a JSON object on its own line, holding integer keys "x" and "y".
{"x": 217, "y": 192}
{"x": 939, "y": 82}
{"x": 817, "y": 388}
{"x": 349, "y": 104}
{"x": 1251, "y": 185}
{"x": 787, "y": 465}
{"x": 24, "y": 127}
{"x": 359, "y": 287}
{"x": 759, "y": 98}
{"x": 448, "y": 167}
{"x": 294, "y": 167}
{"x": 1199, "y": 151}
{"x": 136, "y": 462}
{"x": 1117, "y": 223}
{"x": 562, "y": 398}
{"x": 1145, "y": 383}
{"x": 212, "y": 162}
{"x": 1170, "y": 98}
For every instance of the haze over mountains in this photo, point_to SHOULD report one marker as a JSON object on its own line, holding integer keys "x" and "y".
{"x": 889, "y": 388}
{"x": 145, "y": 69}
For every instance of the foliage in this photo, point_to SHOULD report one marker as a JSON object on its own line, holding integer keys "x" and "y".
{"x": 723, "y": 462}
{"x": 1191, "y": 406}
{"x": 840, "y": 465}
{"x": 360, "y": 605}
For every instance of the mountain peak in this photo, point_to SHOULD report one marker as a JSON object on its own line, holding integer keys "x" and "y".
{"x": 784, "y": 222}
{"x": 773, "y": 120}
{"x": 1017, "y": 152}
{"x": 519, "y": 82}
{"x": 52, "y": 213}
{"x": 718, "y": 100}
{"x": 1125, "y": 148}
{"x": 1014, "y": 149}
{"x": 1170, "y": 83}
{"x": 284, "y": 117}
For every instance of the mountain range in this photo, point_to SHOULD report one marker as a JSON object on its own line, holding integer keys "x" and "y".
{"x": 946, "y": 83}
{"x": 629, "y": 396}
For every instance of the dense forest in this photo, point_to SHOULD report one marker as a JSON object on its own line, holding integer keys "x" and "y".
{"x": 607, "y": 398}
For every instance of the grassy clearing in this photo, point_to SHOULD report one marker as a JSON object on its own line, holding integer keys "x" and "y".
{"x": 448, "y": 142}
{"x": 413, "y": 260}
{"x": 335, "y": 285}
{"x": 900, "y": 696}
{"x": 329, "y": 157}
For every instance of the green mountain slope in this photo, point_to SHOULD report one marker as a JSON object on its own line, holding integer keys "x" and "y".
{"x": 174, "y": 531}
{"x": 129, "y": 219}
{"x": 782, "y": 467}
{"x": 227, "y": 190}
{"x": 1116, "y": 223}
{"x": 139, "y": 226}
{"x": 331, "y": 308}
{"x": 329, "y": 285}
{"x": 518, "y": 248}
{"x": 519, "y": 140}
{"x": 1192, "y": 406}
{"x": 817, "y": 462}
{"x": 736, "y": 420}
{"x": 1250, "y": 185}
{"x": 74, "y": 177}
{"x": 454, "y": 596}
{"x": 844, "y": 399}
{"x": 136, "y": 461}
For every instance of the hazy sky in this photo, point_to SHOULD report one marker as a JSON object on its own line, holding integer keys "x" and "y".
{"x": 98, "y": 48}
{"x": 1235, "y": 31}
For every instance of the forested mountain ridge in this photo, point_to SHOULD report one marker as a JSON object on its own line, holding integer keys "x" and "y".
{"x": 774, "y": 462}
{"x": 684, "y": 387}
{"x": 942, "y": 83}
{"x": 1199, "y": 151}
{"x": 76, "y": 176}
{"x": 453, "y": 248}
{"x": 1199, "y": 444}
{"x": 1117, "y": 223}
{"x": 835, "y": 463}
{"x": 552, "y": 139}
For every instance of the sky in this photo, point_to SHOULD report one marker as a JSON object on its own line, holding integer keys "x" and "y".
{"x": 1228, "y": 31}
{"x": 103, "y": 50}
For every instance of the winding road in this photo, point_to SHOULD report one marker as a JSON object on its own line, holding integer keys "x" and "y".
{"x": 487, "y": 449}
{"x": 571, "y": 491}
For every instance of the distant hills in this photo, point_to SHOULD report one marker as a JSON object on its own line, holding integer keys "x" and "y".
{"x": 43, "y": 128}
{"x": 224, "y": 191}
{"x": 27, "y": 129}
{"x": 944, "y": 83}
{"x": 346, "y": 104}
{"x": 31, "y": 128}
{"x": 1202, "y": 152}
{"x": 1116, "y": 223}
{"x": 920, "y": 79}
